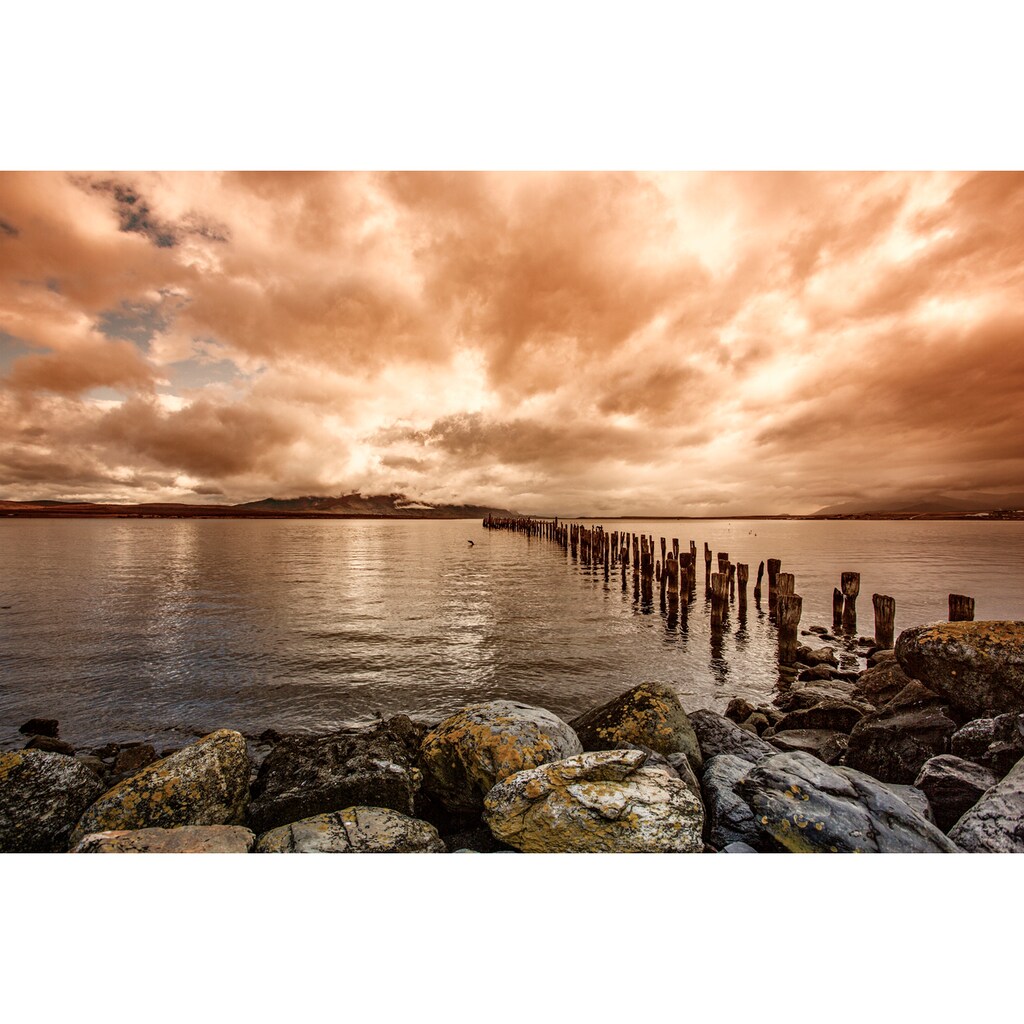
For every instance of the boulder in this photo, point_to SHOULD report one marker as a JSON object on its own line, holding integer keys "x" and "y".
{"x": 469, "y": 752}
{"x": 205, "y": 783}
{"x": 820, "y": 673}
{"x": 893, "y": 743}
{"x": 186, "y": 839}
{"x": 649, "y": 714}
{"x": 739, "y": 710}
{"x": 717, "y": 735}
{"x": 832, "y": 715}
{"x": 995, "y": 743}
{"x": 597, "y": 802}
{"x": 883, "y": 656}
{"x": 978, "y": 667}
{"x": 816, "y": 656}
{"x": 879, "y": 685}
{"x": 727, "y": 817}
{"x": 808, "y": 696}
{"x": 131, "y": 759}
{"x": 50, "y": 745}
{"x": 354, "y": 830}
{"x": 40, "y": 727}
{"x": 810, "y": 807}
{"x": 42, "y": 795}
{"x": 738, "y": 848}
{"x": 953, "y": 786}
{"x": 995, "y": 824}
{"x": 827, "y": 745}
{"x": 303, "y": 777}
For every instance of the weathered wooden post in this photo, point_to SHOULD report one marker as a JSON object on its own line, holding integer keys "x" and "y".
{"x": 850, "y": 585}
{"x": 774, "y": 565}
{"x": 789, "y": 607}
{"x": 961, "y": 608}
{"x": 837, "y": 610}
{"x": 624, "y": 564}
{"x": 742, "y": 575}
{"x": 719, "y": 599}
{"x": 757, "y": 585}
{"x": 731, "y": 572}
{"x": 885, "y": 617}
{"x": 785, "y": 583}
{"x": 723, "y": 560}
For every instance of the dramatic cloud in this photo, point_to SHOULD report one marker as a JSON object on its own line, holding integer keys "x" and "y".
{"x": 606, "y": 342}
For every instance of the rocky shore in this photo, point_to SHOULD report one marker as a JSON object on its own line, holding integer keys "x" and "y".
{"x": 921, "y": 752}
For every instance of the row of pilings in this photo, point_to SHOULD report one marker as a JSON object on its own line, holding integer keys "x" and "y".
{"x": 674, "y": 575}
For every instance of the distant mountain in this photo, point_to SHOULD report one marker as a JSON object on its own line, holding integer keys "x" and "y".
{"x": 923, "y": 504}
{"x": 392, "y": 506}
{"x": 397, "y": 505}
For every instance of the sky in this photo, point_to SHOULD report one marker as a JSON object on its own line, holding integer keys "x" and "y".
{"x": 698, "y": 343}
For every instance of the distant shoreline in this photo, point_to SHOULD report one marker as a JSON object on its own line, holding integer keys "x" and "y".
{"x": 13, "y": 511}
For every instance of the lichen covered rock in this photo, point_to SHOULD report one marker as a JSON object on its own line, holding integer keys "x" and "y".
{"x": 42, "y": 795}
{"x": 186, "y": 839}
{"x": 649, "y": 715}
{"x": 597, "y": 802}
{"x": 354, "y": 830}
{"x": 810, "y": 807}
{"x": 471, "y": 751}
{"x": 977, "y": 666}
{"x": 728, "y": 817}
{"x": 205, "y": 783}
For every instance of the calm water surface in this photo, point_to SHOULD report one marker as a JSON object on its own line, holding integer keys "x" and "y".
{"x": 164, "y": 629}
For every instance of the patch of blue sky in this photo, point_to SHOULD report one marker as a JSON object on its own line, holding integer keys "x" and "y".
{"x": 12, "y": 348}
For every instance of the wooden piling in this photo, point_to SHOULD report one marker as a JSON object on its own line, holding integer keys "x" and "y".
{"x": 757, "y": 585}
{"x": 850, "y": 585}
{"x": 742, "y": 575}
{"x": 885, "y": 617}
{"x": 837, "y": 609}
{"x": 961, "y": 608}
{"x": 730, "y": 570}
{"x": 774, "y": 565}
{"x": 785, "y": 583}
{"x": 789, "y": 608}
{"x": 719, "y": 599}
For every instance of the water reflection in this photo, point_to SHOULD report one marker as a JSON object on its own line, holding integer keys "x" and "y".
{"x": 153, "y": 629}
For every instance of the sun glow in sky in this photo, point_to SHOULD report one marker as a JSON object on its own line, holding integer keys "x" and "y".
{"x": 692, "y": 343}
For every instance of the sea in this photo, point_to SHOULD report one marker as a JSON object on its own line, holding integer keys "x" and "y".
{"x": 161, "y": 630}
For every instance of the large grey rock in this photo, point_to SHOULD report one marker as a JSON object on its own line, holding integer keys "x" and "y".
{"x": 893, "y": 743}
{"x": 953, "y": 786}
{"x": 354, "y": 830}
{"x": 649, "y": 714}
{"x": 816, "y": 656}
{"x": 597, "y": 802}
{"x": 977, "y": 666}
{"x": 717, "y": 735}
{"x": 915, "y": 799}
{"x": 995, "y": 824}
{"x": 467, "y": 754}
{"x": 41, "y": 797}
{"x": 186, "y": 839}
{"x": 307, "y": 776}
{"x": 995, "y": 743}
{"x": 205, "y": 783}
{"x": 810, "y": 807}
{"x": 728, "y": 817}
{"x": 808, "y": 695}
{"x": 827, "y": 745}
